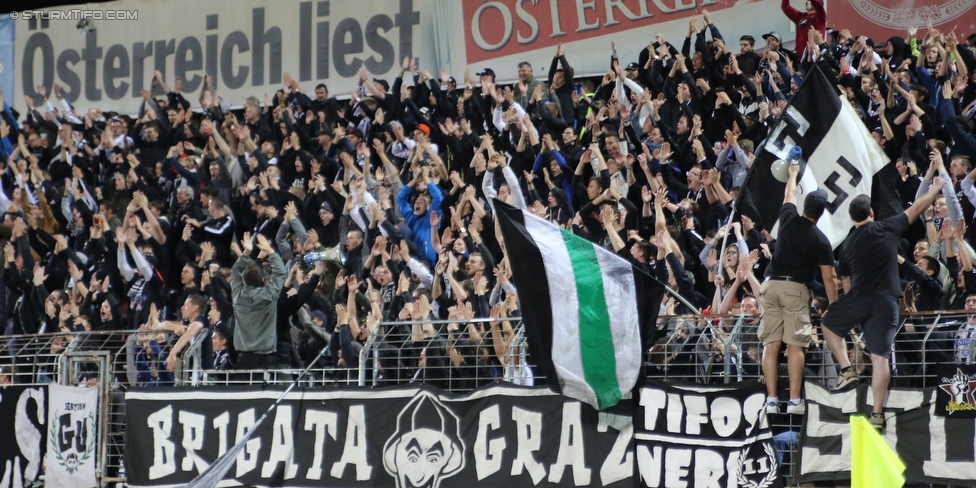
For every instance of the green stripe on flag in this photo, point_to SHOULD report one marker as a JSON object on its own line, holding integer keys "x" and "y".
{"x": 597, "y": 352}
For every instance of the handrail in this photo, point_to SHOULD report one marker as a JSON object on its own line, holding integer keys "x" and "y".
{"x": 48, "y": 361}
{"x": 370, "y": 357}
{"x": 43, "y": 358}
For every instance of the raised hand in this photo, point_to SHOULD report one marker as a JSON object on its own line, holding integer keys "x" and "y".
{"x": 936, "y": 158}
{"x": 120, "y": 235}
{"x": 39, "y": 275}
{"x": 731, "y": 138}
{"x": 947, "y": 232}
{"x": 340, "y": 279}
{"x": 937, "y": 184}
{"x": 264, "y": 245}
{"x": 247, "y": 243}
{"x": 663, "y": 153}
{"x": 607, "y": 216}
{"x": 961, "y": 228}
{"x": 707, "y": 179}
{"x": 660, "y": 197}
{"x": 404, "y": 251}
{"x": 737, "y": 229}
{"x": 794, "y": 169}
{"x": 646, "y": 194}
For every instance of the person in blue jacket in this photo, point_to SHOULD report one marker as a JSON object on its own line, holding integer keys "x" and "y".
{"x": 415, "y": 206}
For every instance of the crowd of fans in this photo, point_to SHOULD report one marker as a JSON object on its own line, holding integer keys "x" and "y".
{"x": 308, "y": 222}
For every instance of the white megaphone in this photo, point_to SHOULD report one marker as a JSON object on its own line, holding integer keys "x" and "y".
{"x": 781, "y": 167}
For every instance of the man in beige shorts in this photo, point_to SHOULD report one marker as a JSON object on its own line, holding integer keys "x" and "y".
{"x": 800, "y": 248}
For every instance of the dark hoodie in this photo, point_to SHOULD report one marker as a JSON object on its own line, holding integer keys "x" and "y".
{"x": 562, "y": 213}
{"x": 900, "y": 52}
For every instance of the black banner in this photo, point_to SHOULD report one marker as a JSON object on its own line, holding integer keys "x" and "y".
{"x": 935, "y": 449}
{"x": 22, "y": 434}
{"x": 698, "y": 435}
{"x": 956, "y": 394}
{"x": 405, "y": 437}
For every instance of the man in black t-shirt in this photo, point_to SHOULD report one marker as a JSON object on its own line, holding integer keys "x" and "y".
{"x": 869, "y": 273}
{"x": 194, "y": 313}
{"x": 800, "y": 248}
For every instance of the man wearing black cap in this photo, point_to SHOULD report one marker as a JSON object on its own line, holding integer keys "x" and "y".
{"x": 632, "y": 69}
{"x": 869, "y": 273}
{"x": 774, "y": 43}
{"x": 800, "y": 248}
{"x": 354, "y": 136}
{"x": 380, "y": 89}
{"x": 486, "y": 73}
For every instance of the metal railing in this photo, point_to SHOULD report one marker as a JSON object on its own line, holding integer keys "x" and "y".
{"x": 725, "y": 349}
{"x": 703, "y": 349}
{"x": 455, "y": 355}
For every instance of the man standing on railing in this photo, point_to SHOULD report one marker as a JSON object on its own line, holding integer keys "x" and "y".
{"x": 256, "y": 305}
{"x": 801, "y": 247}
{"x": 869, "y": 273}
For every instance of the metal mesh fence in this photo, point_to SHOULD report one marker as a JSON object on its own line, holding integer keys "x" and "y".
{"x": 454, "y": 356}
{"x": 461, "y": 356}
{"x": 725, "y": 349}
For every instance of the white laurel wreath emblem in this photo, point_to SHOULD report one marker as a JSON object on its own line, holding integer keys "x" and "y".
{"x": 767, "y": 481}
{"x": 74, "y": 461}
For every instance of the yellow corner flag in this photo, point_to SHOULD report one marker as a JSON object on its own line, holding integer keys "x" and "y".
{"x": 873, "y": 463}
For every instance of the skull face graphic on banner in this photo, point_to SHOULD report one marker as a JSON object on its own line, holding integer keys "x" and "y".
{"x": 426, "y": 447}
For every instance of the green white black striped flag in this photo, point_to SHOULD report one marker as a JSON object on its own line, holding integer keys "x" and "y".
{"x": 582, "y": 307}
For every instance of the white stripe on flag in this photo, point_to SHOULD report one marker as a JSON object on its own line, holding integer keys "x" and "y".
{"x": 619, "y": 292}
{"x": 847, "y": 138}
{"x": 566, "y": 353}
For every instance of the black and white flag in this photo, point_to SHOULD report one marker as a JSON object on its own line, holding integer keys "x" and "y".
{"x": 22, "y": 434}
{"x": 839, "y": 156}
{"x": 936, "y": 449}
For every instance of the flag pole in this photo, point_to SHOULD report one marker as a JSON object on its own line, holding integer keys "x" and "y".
{"x": 673, "y": 292}
{"x": 720, "y": 252}
{"x": 219, "y": 468}
{"x": 682, "y": 299}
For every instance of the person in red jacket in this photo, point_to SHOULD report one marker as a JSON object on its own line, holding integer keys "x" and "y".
{"x": 815, "y": 17}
